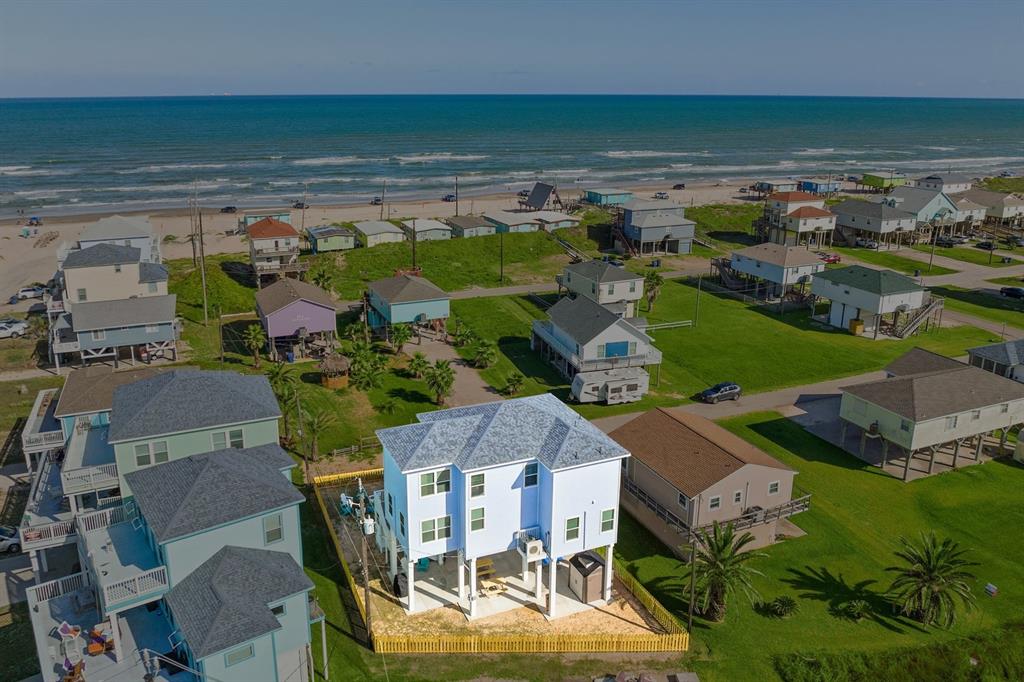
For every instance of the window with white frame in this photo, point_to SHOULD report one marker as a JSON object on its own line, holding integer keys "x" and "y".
{"x": 273, "y": 529}
{"x": 737, "y": 497}
{"x": 601, "y": 349}
{"x": 683, "y": 501}
{"x": 632, "y": 287}
{"x": 905, "y": 425}
{"x": 152, "y": 288}
{"x": 476, "y": 485}
{"x": 611, "y": 289}
{"x": 436, "y": 529}
{"x": 99, "y": 334}
{"x": 117, "y": 267}
{"x": 232, "y": 438}
{"x": 715, "y": 502}
{"x": 951, "y": 422}
{"x": 278, "y": 610}
{"x": 152, "y": 328}
{"x": 151, "y": 453}
{"x": 401, "y": 524}
{"x": 531, "y": 475}
{"x": 391, "y": 505}
{"x": 80, "y": 294}
{"x": 572, "y": 529}
{"x": 435, "y": 482}
{"x": 607, "y": 520}
{"x": 1004, "y": 408}
{"x": 476, "y": 519}
{"x": 773, "y": 488}
{"x": 236, "y": 656}
{"x": 975, "y": 415}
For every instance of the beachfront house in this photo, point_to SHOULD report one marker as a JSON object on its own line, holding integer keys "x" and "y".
{"x": 374, "y": 232}
{"x": 426, "y": 229}
{"x": 604, "y": 355}
{"x": 766, "y": 187}
{"x": 406, "y": 299}
{"x": 294, "y": 312}
{"x": 865, "y": 300}
{"x": 247, "y": 218}
{"x": 274, "y": 248}
{"x": 874, "y": 220}
{"x": 133, "y": 231}
{"x": 930, "y": 415}
{"x": 795, "y": 218}
{"x": 931, "y": 208}
{"x": 947, "y": 183}
{"x": 686, "y": 472}
{"x": 1002, "y": 208}
{"x": 471, "y": 226}
{"x": 819, "y": 185}
{"x": 607, "y": 196}
{"x": 507, "y": 488}
{"x": 775, "y": 267}
{"x": 882, "y": 181}
{"x": 507, "y": 221}
{"x": 651, "y": 226}
{"x": 104, "y": 272}
{"x": 554, "y": 220}
{"x": 1005, "y": 358}
{"x": 325, "y": 238}
{"x": 615, "y": 288}
{"x": 969, "y": 215}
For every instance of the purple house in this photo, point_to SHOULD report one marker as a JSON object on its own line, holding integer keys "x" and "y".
{"x": 291, "y": 310}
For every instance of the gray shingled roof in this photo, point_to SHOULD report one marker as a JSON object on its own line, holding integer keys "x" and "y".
{"x": 537, "y": 427}
{"x": 1008, "y": 353}
{"x": 407, "y": 288}
{"x": 101, "y": 254}
{"x": 151, "y": 272}
{"x": 947, "y": 178}
{"x": 583, "y": 319}
{"x": 871, "y": 209}
{"x": 200, "y": 492}
{"x": 126, "y": 312}
{"x": 185, "y": 400}
{"x": 881, "y": 282}
{"x": 602, "y": 272}
{"x": 779, "y": 254}
{"x": 919, "y": 361}
{"x": 469, "y": 222}
{"x": 912, "y": 199}
{"x": 117, "y": 227}
{"x": 920, "y": 397}
{"x": 651, "y": 205}
{"x": 224, "y": 602}
{"x": 651, "y": 219}
{"x": 990, "y": 199}
{"x": 286, "y": 291}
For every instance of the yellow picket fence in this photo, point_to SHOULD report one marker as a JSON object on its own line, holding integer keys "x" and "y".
{"x": 335, "y": 479}
{"x": 653, "y": 606}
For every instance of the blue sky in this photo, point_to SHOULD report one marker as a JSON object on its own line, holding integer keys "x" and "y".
{"x": 91, "y": 48}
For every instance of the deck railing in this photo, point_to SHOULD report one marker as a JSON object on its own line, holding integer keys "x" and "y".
{"x": 47, "y": 534}
{"x": 31, "y": 440}
{"x": 88, "y": 478}
{"x": 132, "y": 589}
{"x": 56, "y": 588}
{"x": 102, "y": 518}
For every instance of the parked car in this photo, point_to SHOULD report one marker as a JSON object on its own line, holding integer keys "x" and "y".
{"x": 986, "y": 245}
{"x": 12, "y": 330}
{"x": 723, "y": 391}
{"x": 679, "y": 185}
{"x": 523, "y": 193}
{"x": 661, "y": 195}
{"x": 829, "y": 258}
{"x": 743, "y": 190}
{"x": 943, "y": 240}
{"x": 30, "y": 292}
{"x": 376, "y": 201}
{"x": 229, "y": 209}
{"x": 866, "y": 243}
{"x": 960, "y": 239}
{"x": 448, "y": 198}
{"x": 1012, "y": 292}
{"x": 9, "y": 540}
{"x": 300, "y": 204}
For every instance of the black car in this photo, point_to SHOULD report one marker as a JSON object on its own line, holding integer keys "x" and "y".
{"x": 448, "y": 198}
{"x": 945, "y": 241}
{"x": 679, "y": 185}
{"x": 1012, "y": 292}
{"x": 229, "y": 209}
{"x": 723, "y": 391}
{"x": 376, "y": 201}
{"x": 986, "y": 246}
{"x": 300, "y": 204}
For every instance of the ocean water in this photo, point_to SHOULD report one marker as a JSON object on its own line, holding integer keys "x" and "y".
{"x": 83, "y": 155}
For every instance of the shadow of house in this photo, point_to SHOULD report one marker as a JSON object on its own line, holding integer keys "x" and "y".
{"x": 410, "y": 396}
{"x": 239, "y": 271}
{"x": 790, "y": 436}
{"x": 517, "y": 350}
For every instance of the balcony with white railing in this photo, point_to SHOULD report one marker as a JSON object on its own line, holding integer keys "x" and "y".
{"x": 47, "y": 520}
{"x": 125, "y": 568}
{"x": 89, "y": 463}
{"x": 62, "y": 337}
{"x": 544, "y": 330}
{"x": 42, "y": 430}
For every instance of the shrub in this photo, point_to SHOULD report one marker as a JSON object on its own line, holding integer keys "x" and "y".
{"x": 784, "y": 606}
{"x": 856, "y": 609}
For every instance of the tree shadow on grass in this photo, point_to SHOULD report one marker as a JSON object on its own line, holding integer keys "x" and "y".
{"x": 240, "y": 272}
{"x": 820, "y": 584}
{"x": 530, "y": 363}
{"x": 733, "y": 237}
{"x": 409, "y": 396}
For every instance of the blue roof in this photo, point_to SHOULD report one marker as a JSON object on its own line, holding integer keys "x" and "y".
{"x": 539, "y": 427}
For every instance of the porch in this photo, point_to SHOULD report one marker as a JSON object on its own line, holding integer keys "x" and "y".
{"x": 89, "y": 462}
{"x": 121, "y": 562}
{"x": 42, "y": 430}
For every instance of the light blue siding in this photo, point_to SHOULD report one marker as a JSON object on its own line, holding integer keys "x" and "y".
{"x": 127, "y": 336}
{"x": 262, "y": 666}
{"x": 382, "y": 313}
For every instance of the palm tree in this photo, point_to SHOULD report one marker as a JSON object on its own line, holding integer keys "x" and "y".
{"x": 284, "y": 384}
{"x": 721, "y": 569}
{"x": 317, "y": 423}
{"x": 367, "y": 371}
{"x": 931, "y": 580}
{"x": 254, "y": 339}
{"x": 418, "y": 365}
{"x": 322, "y": 276}
{"x": 652, "y": 285}
{"x": 400, "y": 335}
{"x": 440, "y": 379}
{"x": 485, "y": 354}
{"x": 388, "y": 406}
{"x": 514, "y": 382}
{"x": 464, "y": 336}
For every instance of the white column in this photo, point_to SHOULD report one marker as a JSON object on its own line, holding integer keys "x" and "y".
{"x": 323, "y": 647}
{"x": 411, "y": 568}
{"x": 73, "y": 502}
{"x": 539, "y": 596}
{"x": 552, "y": 586}
{"x": 42, "y": 561}
{"x": 115, "y": 634}
{"x": 608, "y": 573}
{"x": 461, "y": 568}
{"x": 33, "y": 556}
{"x": 472, "y": 587}
{"x": 526, "y": 568}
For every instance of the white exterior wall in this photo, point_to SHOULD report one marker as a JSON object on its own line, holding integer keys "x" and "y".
{"x": 611, "y": 292}
{"x": 874, "y": 225}
{"x": 972, "y": 214}
{"x": 824, "y": 223}
{"x": 614, "y": 334}
{"x": 865, "y": 300}
{"x": 772, "y": 272}
{"x": 584, "y": 492}
{"x": 508, "y": 505}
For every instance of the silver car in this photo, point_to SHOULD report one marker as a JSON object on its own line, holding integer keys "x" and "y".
{"x": 13, "y": 329}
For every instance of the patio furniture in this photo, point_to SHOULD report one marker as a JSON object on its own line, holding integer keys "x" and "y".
{"x": 84, "y": 600}
{"x": 96, "y": 648}
{"x": 66, "y": 631}
{"x": 485, "y": 569}
{"x": 422, "y": 565}
{"x": 76, "y": 673}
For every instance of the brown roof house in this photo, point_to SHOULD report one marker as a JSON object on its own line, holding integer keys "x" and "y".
{"x": 687, "y": 472}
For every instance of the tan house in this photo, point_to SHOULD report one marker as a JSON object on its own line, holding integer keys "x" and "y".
{"x": 999, "y": 207}
{"x": 615, "y": 288}
{"x": 110, "y": 272}
{"x": 687, "y": 472}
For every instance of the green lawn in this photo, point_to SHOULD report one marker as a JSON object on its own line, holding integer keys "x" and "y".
{"x": 1004, "y": 184}
{"x": 968, "y": 254}
{"x": 1016, "y": 281}
{"x": 856, "y": 517}
{"x": 730, "y": 342}
{"x": 893, "y": 261}
{"x": 985, "y": 305}
{"x": 727, "y": 226}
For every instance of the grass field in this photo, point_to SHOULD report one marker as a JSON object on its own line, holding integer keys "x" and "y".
{"x": 984, "y": 305}
{"x": 1016, "y": 281}
{"x": 887, "y": 259}
{"x": 968, "y": 254}
{"x": 1004, "y": 184}
{"x": 727, "y": 226}
{"x": 758, "y": 349}
{"x": 857, "y": 515}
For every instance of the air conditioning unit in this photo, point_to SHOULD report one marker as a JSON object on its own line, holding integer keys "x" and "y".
{"x": 533, "y": 550}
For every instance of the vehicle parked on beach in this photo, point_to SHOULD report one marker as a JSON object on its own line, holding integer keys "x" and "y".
{"x": 229, "y": 209}
{"x": 30, "y": 292}
{"x": 829, "y": 258}
{"x": 661, "y": 195}
{"x": 448, "y": 198}
{"x": 986, "y": 245}
{"x": 376, "y": 201}
{"x": 866, "y": 243}
{"x": 679, "y": 185}
{"x": 12, "y": 329}
{"x": 726, "y": 390}
{"x": 300, "y": 205}
{"x": 1012, "y": 292}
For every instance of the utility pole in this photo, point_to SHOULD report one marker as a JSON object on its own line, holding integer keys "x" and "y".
{"x": 693, "y": 567}
{"x": 220, "y": 334}
{"x": 305, "y": 192}
{"x": 414, "y": 244}
{"x": 366, "y": 528}
{"x": 696, "y": 307}
{"x": 501, "y": 257}
{"x": 931, "y": 257}
{"x": 202, "y": 269}
{"x": 302, "y": 447}
{"x": 383, "y": 193}
{"x": 456, "y": 195}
